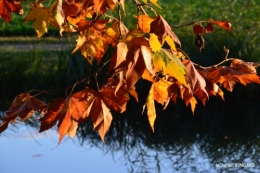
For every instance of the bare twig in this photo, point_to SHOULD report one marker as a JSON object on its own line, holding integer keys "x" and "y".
{"x": 119, "y": 21}
{"x": 192, "y": 23}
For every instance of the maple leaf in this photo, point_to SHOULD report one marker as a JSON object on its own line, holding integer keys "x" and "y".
{"x": 161, "y": 28}
{"x": 95, "y": 40}
{"x": 158, "y": 92}
{"x": 105, "y": 99}
{"x": 154, "y": 43}
{"x": 244, "y": 66}
{"x": 67, "y": 112}
{"x": 23, "y": 106}
{"x": 225, "y": 25}
{"x": 41, "y": 17}
{"x": 170, "y": 64}
{"x": 198, "y": 29}
{"x": 196, "y": 82}
{"x": 209, "y": 28}
{"x": 83, "y": 105}
{"x": 229, "y": 76}
{"x": 138, "y": 59}
{"x": 9, "y": 6}
{"x": 144, "y": 22}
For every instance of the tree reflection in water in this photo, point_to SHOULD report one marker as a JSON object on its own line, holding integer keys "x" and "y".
{"x": 222, "y": 132}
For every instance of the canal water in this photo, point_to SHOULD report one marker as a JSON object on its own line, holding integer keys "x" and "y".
{"x": 223, "y": 136}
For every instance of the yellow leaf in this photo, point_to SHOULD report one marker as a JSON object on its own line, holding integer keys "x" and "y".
{"x": 154, "y": 43}
{"x": 151, "y": 112}
{"x": 80, "y": 41}
{"x": 155, "y": 3}
{"x": 171, "y": 43}
{"x": 174, "y": 66}
{"x": 161, "y": 91}
{"x": 58, "y": 15}
{"x": 145, "y": 1}
{"x": 41, "y": 17}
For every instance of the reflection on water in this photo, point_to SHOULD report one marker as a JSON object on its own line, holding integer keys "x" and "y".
{"x": 215, "y": 139}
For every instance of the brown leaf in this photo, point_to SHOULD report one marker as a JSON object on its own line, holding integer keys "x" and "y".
{"x": 52, "y": 115}
{"x": 24, "y": 106}
{"x": 161, "y": 28}
{"x": 115, "y": 102}
{"x": 225, "y": 25}
{"x": 138, "y": 59}
{"x": 199, "y": 41}
{"x": 209, "y": 28}
{"x": 198, "y": 29}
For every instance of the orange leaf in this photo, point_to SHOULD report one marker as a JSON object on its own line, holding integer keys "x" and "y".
{"x": 24, "y": 106}
{"x": 225, "y": 25}
{"x": 229, "y": 76}
{"x": 144, "y": 22}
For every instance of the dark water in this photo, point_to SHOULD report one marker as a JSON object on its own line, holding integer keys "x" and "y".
{"x": 224, "y": 136}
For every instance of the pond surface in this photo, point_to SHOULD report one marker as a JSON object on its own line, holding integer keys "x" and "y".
{"x": 221, "y": 137}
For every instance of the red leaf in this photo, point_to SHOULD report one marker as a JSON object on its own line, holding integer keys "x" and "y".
{"x": 198, "y": 29}
{"x": 9, "y": 6}
{"x": 225, "y": 25}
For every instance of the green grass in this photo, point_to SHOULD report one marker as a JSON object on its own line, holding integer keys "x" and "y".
{"x": 242, "y": 42}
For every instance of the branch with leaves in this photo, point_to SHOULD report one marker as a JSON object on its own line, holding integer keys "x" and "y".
{"x": 151, "y": 51}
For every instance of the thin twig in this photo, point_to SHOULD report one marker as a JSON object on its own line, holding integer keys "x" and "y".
{"x": 119, "y": 21}
{"x": 192, "y": 23}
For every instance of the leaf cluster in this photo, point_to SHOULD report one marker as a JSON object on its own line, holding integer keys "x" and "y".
{"x": 151, "y": 51}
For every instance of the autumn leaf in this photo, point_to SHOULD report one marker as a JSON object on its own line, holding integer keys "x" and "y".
{"x": 138, "y": 58}
{"x": 154, "y": 43}
{"x": 244, "y": 66}
{"x": 23, "y": 106}
{"x": 225, "y": 25}
{"x": 67, "y": 112}
{"x": 199, "y": 41}
{"x": 196, "y": 82}
{"x": 95, "y": 40}
{"x": 162, "y": 29}
{"x": 170, "y": 64}
{"x": 229, "y": 76}
{"x": 41, "y": 17}
{"x": 198, "y": 29}
{"x": 158, "y": 92}
{"x": 7, "y": 7}
{"x": 151, "y": 112}
{"x": 209, "y": 28}
{"x": 144, "y": 22}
